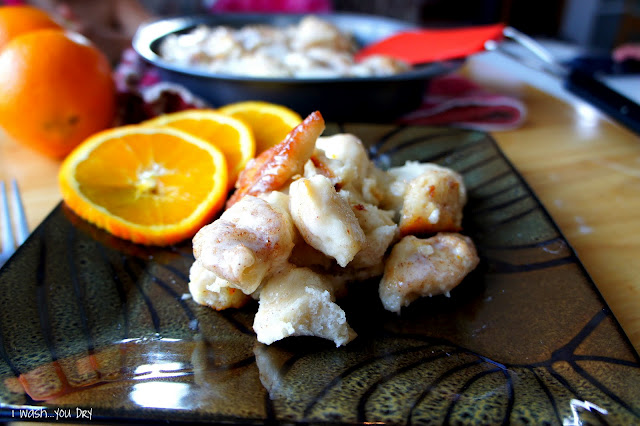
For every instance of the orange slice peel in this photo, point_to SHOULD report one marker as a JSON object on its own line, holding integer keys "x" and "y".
{"x": 270, "y": 123}
{"x": 150, "y": 185}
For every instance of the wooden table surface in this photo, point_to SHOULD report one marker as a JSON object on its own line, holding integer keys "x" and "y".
{"x": 583, "y": 167}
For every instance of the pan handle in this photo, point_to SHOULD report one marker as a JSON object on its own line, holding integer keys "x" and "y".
{"x": 548, "y": 62}
{"x": 576, "y": 81}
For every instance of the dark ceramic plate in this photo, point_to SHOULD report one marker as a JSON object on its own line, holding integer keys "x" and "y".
{"x": 341, "y": 99}
{"x": 90, "y": 322}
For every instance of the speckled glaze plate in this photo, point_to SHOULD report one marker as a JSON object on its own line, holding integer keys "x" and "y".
{"x": 90, "y": 322}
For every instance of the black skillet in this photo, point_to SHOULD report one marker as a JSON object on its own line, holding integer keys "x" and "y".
{"x": 368, "y": 99}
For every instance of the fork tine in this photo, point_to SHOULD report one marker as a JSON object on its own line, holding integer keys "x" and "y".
{"x": 5, "y": 221}
{"x": 19, "y": 216}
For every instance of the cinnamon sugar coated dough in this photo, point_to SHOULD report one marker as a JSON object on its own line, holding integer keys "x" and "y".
{"x": 325, "y": 219}
{"x": 208, "y": 289}
{"x": 425, "y": 267}
{"x": 250, "y": 241}
{"x": 298, "y": 245}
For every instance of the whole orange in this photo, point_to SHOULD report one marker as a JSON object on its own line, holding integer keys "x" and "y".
{"x": 56, "y": 89}
{"x": 16, "y": 20}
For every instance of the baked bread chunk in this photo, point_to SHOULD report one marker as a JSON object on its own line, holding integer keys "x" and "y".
{"x": 425, "y": 267}
{"x": 430, "y": 198}
{"x": 299, "y": 302}
{"x": 324, "y": 219}
{"x": 249, "y": 241}
{"x": 209, "y": 290}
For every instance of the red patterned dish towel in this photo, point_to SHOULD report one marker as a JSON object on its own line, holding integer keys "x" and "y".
{"x": 453, "y": 100}
{"x": 450, "y": 100}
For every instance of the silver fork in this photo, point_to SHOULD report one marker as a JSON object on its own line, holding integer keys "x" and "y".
{"x": 11, "y": 242}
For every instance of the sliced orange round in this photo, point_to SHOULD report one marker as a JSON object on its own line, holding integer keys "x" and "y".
{"x": 149, "y": 185}
{"x": 230, "y": 135}
{"x": 269, "y": 122}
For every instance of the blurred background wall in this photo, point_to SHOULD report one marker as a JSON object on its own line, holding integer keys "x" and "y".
{"x": 601, "y": 24}
{"x": 592, "y": 24}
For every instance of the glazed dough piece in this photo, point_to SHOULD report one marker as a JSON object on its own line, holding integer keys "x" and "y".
{"x": 433, "y": 202}
{"x": 314, "y": 32}
{"x": 209, "y": 290}
{"x": 425, "y": 267}
{"x": 380, "y": 231}
{"x": 396, "y": 184}
{"x": 344, "y": 159}
{"x": 251, "y": 240}
{"x": 299, "y": 302}
{"x": 350, "y": 159}
{"x": 380, "y": 65}
{"x": 374, "y": 186}
{"x": 279, "y": 201}
{"x": 400, "y": 177}
{"x": 324, "y": 219}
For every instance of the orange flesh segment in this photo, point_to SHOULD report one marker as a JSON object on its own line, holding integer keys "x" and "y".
{"x": 145, "y": 188}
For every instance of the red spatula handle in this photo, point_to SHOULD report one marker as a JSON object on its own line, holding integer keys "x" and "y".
{"x": 422, "y": 46}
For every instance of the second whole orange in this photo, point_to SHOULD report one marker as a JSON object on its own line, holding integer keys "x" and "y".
{"x": 20, "y": 19}
{"x": 56, "y": 89}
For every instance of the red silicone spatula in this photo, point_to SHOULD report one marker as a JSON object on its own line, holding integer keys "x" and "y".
{"x": 431, "y": 45}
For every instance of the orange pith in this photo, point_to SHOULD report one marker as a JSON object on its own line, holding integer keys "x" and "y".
{"x": 149, "y": 185}
{"x": 229, "y": 135}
